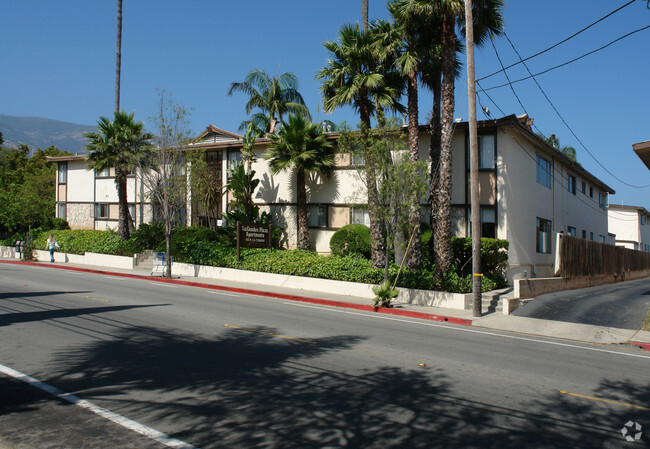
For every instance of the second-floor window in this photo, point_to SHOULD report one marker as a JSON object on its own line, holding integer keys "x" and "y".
{"x": 359, "y": 215}
{"x": 571, "y": 184}
{"x": 317, "y": 216}
{"x": 543, "y": 172}
{"x": 571, "y": 230}
{"x": 63, "y": 172}
{"x": 101, "y": 211}
{"x": 602, "y": 200}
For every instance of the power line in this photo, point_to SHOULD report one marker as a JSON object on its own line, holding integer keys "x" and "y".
{"x": 564, "y": 63}
{"x": 566, "y": 124}
{"x": 559, "y": 43}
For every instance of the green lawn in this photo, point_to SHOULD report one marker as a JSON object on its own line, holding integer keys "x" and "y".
{"x": 646, "y": 325}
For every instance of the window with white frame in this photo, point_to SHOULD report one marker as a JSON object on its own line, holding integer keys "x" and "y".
{"x": 360, "y": 215}
{"x": 101, "y": 211}
{"x": 234, "y": 159}
{"x": 543, "y": 235}
{"x": 317, "y": 216}
{"x": 543, "y": 172}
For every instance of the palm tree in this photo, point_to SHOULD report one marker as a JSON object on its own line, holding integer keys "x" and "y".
{"x": 118, "y": 56}
{"x": 122, "y": 144}
{"x": 355, "y": 76}
{"x": 302, "y": 148}
{"x": 364, "y": 14}
{"x": 487, "y": 20}
{"x": 273, "y": 96}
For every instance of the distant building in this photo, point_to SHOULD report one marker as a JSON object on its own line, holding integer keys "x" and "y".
{"x": 631, "y": 224}
{"x": 529, "y": 192}
{"x": 642, "y": 149}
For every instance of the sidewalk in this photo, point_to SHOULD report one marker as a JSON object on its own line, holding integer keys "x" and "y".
{"x": 494, "y": 321}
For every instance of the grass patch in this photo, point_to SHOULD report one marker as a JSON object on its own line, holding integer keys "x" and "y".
{"x": 646, "y": 324}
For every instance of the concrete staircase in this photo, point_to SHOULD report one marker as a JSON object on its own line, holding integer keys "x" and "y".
{"x": 144, "y": 261}
{"x": 492, "y": 302}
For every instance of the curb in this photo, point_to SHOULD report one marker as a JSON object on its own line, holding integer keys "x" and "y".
{"x": 305, "y": 299}
{"x": 641, "y": 345}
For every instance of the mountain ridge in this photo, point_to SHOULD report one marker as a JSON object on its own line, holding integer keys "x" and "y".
{"x": 40, "y": 132}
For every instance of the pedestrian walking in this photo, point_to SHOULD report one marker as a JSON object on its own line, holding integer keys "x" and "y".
{"x": 52, "y": 246}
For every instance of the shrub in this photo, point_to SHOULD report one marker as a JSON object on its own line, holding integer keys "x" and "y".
{"x": 352, "y": 239}
{"x": 60, "y": 224}
{"x": 494, "y": 254}
{"x": 147, "y": 236}
{"x": 81, "y": 241}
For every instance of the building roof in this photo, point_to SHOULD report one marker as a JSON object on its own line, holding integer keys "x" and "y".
{"x": 212, "y": 134}
{"x": 642, "y": 149}
{"x": 74, "y": 157}
{"x": 621, "y": 207}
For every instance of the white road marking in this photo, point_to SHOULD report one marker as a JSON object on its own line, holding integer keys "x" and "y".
{"x": 467, "y": 329}
{"x": 225, "y": 293}
{"x": 107, "y": 414}
{"x": 162, "y": 284}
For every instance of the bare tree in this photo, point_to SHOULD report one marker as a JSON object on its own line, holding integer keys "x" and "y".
{"x": 164, "y": 172}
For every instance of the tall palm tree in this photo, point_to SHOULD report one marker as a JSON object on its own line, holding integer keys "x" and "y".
{"x": 451, "y": 15}
{"x": 364, "y": 14}
{"x": 355, "y": 76}
{"x": 301, "y": 147}
{"x": 118, "y": 56}
{"x": 273, "y": 96}
{"x": 121, "y": 144}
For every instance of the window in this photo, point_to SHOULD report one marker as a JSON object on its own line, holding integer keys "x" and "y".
{"x": 571, "y": 230}
{"x": 591, "y": 236}
{"x": 571, "y": 184}
{"x": 543, "y": 236}
{"x": 584, "y": 234}
{"x": 234, "y": 159}
{"x": 60, "y": 211}
{"x": 360, "y": 215}
{"x": 602, "y": 200}
{"x": 485, "y": 151}
{"x": 132, "y": 211}
{"x": 317, "y": 216}
{"x": 543, "y": 172}
{"x": 584, "y": 188}
{"x": 601, "y": 238}
{"x": 488, "y": 222}
{"x": 643, "y": 220}
{"x": 357, "y": 159}
{"x": 591, "y": 192}
{"x": 101, "y": 211}
{"x": 63, "y": 172}
{"x": 103, "y": 173}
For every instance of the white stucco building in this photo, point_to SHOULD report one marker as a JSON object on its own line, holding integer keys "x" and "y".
{"x": 631, "y": 224}
{"x": 529, "y": 192}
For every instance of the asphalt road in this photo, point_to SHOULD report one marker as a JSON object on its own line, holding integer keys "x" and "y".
{"x": 199, "y": 368}
{"x": 623, "y": 305}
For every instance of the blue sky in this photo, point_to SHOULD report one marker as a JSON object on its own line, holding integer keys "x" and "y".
{"x": 58, "y": 61}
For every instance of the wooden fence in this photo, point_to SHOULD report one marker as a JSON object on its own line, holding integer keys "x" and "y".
{"x": 585, "y": 258}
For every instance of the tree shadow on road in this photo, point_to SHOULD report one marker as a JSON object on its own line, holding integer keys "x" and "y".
{"x": 252, "y": 389}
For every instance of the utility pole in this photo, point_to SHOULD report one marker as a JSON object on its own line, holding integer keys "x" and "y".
{"x": 473, "y": 163}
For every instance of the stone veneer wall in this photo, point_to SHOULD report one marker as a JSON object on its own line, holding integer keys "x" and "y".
{"x": 80, "y": 215}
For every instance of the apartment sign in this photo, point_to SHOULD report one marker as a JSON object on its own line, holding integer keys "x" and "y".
{"x": 253, "y": 236}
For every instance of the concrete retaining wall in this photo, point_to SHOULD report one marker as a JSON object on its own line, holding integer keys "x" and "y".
{"x": 531, "y": 288}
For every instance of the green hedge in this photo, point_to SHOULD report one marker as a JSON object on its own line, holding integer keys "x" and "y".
{"x": 206, "y": 247}
{"x": 350, "y": 240}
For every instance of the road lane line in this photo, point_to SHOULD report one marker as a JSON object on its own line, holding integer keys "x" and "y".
{"x": 104, "y": 413}
{"x": 604, "y": 400}
{"x": 225, "y": 293}
{"x": 88, "y": 297}
{"x": 470, "y": 330}
{"x": 272, "y": 334}
{"x": 164, "y": 284}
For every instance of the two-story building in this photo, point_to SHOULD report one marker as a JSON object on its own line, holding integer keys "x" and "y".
{"x": 529, "y": 192}
{"x": 631, "y": 224}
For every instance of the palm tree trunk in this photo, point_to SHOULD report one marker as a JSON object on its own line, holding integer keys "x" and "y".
{"x": 377, "y": 242}
{"x": 364, "y": 15}
{"x": 123, "y": 205}
{"x": 434, "y": 155}
{"x": 414, "y": 257}
{"x": 118, "y": 56}
{"x": 303, "y": 223}
{"x": 443, "y": 218}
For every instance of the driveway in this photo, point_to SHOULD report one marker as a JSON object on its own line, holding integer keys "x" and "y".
{"x": 623, "y": 305}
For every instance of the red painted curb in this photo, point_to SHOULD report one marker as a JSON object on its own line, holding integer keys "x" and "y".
{"x": 645, "y": 346}
{"x": 322, "y": 302}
